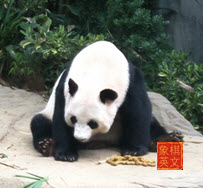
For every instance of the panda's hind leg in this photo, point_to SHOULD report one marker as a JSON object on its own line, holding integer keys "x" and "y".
{"x": 41, "y": 128}
{"x": 168, "y": 137}
{"x": 159, "y": 134}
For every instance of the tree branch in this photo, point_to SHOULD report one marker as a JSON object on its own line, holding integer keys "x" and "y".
{"x": 185, "y": 86}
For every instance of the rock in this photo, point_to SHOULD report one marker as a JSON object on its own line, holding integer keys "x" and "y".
{"x": 169, "y": 117}
{"x": 16, "y": 110}
{"x": 185, "y": 27}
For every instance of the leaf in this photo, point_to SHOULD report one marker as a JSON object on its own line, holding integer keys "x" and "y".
{"x": 29, "y": 185}
{"x": 11, "y": 71}
{"x": 11, "y": 52}
{"x": 161, "y": 74}
{"x": 35, "y": 175}
{"x": 38, "y": 184}
{"x": 37, "y": 47}
{"x": 73, "y": 10}
{"x": 2, "y": 155}
{"x": 25, "y": 43}
{"x": 23, "y": 32}
{"x": 54, "y": 51}
{"x": 44, "y": 21}
{"x": 27, "y": 177}
{"x": 8, "y": 11}
{"x": 35, "y": 184}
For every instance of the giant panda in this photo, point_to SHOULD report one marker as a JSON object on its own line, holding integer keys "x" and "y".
{"x": 99, "y": 98}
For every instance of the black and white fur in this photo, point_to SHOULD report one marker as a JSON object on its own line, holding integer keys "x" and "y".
{"x": 97, "y": 88}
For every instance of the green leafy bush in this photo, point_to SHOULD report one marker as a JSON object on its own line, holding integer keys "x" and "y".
{"x": 87, "y": 16}
{"x": 12, "y": 14}
{"x": 139, "y": 35}
{"x": 46, "y": 52}
{"x": 175, "y": 77}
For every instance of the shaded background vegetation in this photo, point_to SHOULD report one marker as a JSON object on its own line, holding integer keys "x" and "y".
{"x": 38, "y": 38}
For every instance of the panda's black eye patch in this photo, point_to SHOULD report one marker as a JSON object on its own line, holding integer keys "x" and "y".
{"x": 73, "y": 119}
{"x": 73, "y": 87}
{"x": 93, "y": 124}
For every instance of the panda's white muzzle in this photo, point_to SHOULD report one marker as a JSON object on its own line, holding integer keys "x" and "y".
{"x": 82, "y": 132}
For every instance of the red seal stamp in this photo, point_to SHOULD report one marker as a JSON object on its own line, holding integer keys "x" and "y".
{"x": 169, "y": 156}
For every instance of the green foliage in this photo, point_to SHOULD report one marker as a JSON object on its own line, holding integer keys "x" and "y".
{"x": 37, "y": 183}
{"x": 17, "y": 65}
{"x": 44, "y": 51}
{"x": 138, "y": 34}
{"x": 87, "y": 16}
{"x": 130, "y": 25}
{"x": 10, "y": 18}
{"x": 3, "y": 155}
{"x": 189, "y": 103}
{"x": 11, "y": 15}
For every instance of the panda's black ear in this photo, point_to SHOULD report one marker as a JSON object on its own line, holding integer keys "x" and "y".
{"x": 73, "y": 87}
{"x": 108, "y": 95}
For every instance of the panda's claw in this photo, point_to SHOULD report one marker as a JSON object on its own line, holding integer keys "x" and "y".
{"x": 141, "y": 151}
{"x": 128, "y": 152}
{"x": 171, "y": 137}
{"x": 138, "y": 151}
{"x": 66, "y": 156}
{"x": 46, "y": 146}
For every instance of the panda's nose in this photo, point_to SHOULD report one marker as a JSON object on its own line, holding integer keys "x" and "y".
{"x": 82, "y": 132}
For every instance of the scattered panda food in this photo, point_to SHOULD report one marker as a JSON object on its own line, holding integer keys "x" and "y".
{"x": 130, "y": 160}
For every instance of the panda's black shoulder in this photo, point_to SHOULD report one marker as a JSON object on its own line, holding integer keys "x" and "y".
{"x": 136, "y": 76}
{"x": 137, "y": 92}
{"x": 60, "y": 86}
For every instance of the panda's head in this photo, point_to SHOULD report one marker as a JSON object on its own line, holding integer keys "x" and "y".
{"x": 90, "y": 114}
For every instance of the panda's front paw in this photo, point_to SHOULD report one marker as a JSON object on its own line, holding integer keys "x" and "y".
{"x": 142, "y": 151}
{"x": 70, "y": 156}
{"x": 128, "y": 152}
